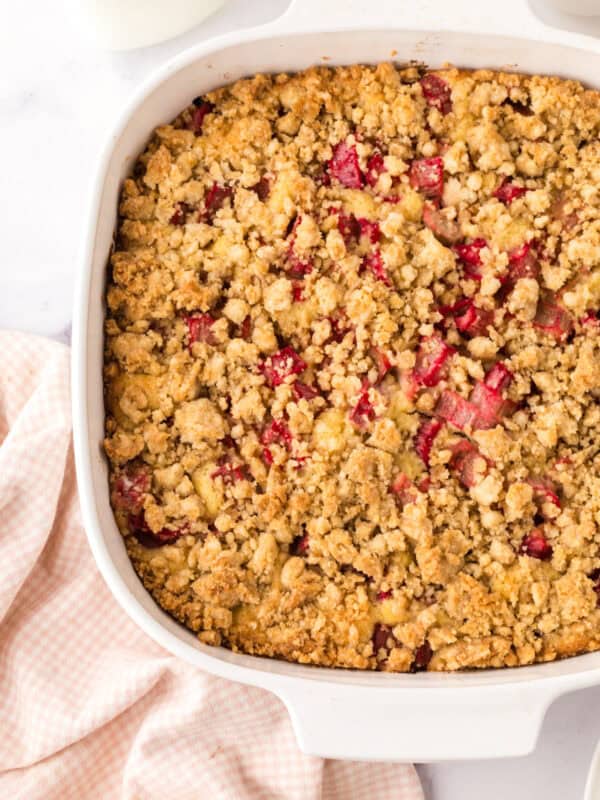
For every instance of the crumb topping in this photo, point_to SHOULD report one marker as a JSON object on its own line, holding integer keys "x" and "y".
{"x": 352, "y": 368}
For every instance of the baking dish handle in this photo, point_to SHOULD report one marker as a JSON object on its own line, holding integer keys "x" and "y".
{"x": 420, "y": 724}
{"x": 508, "y": 17}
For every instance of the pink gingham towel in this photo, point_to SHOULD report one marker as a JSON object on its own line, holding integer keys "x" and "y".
{"x": 90, "y": 707}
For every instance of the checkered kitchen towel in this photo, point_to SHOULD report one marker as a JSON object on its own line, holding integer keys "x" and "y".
{"x": 90, "y": 707}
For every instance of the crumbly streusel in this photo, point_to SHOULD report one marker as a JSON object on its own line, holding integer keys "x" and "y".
{"x": 353, "y": 368}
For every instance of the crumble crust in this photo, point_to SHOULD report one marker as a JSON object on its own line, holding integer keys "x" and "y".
{"x": 352, "y": 368}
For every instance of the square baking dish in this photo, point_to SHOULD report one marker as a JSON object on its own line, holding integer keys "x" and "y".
{"x": 335, "y": 713}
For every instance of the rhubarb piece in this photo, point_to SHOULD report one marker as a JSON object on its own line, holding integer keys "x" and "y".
{"x": 536, "y": 545}
{"x": 474, "y": 321}
{"x": 488, "y": 400}
{"x": 446, "y": 230}
{"x": 202, "y": 108}
{"x": 436, "y": 92}
{"x": 281, "y": 365}
{"x": 403, "y": 489}
{"x": 246, "y": 328}
{"x": 469, "y": 254}
{"x": 130, "y": 487}
{"x": 456, "y": 410}
{"x": 383, "y": 595}
{"x": 299, "y": 461}
{"x": 277, "y": 432}
{"x": 169, "y": 535}
{"x": 344, "y": 166}
{"x": 424, "y": 438}
{"x": 302, "y": 391}
{"x": 408, "y": 383}
{"x": 339, "y": 327}
{"x": 499, "y": 377}
{"x": 544, "y": 491}
{"x": 369, "y": 229}
{"x": 375, "y": 166}
{"x": 363, "y": 412}
{"x": 590, "y": 318}
{"x": 465, "y": 456}
{"x": 508, "y": 191}
{"x": 456, "y": 309}
{"x": 424, "y": 485}
{"x": 522, "y": 263}
{"x": 432, "y": 356}
{"x": 348, "y": 226}
{"x": 213, "y": 201}
{"x": 297, "y": 292}
{"x": 491, "y": 406}
{"x": 352, "y": 228}
{"x": 382, "y": 362}
{"x": 322, "y": 177}
{"x": 523, "y": 258}
{"x": 150, "y": 539}
{"x": 296, "y": 267}
{"x": 179, "y": 213}
{"x": 267, "y": 456}
{"x": 468, "y": 318}
{"x": 423, "y": 655}
{"x": 200, "y": 329}
{"x": 553, "y": 319}
{"x": 137, "y": 525}
{"x": 290, "y": 231}
{"x": 382, "y": 640}
{"x": 373, "y": 262}
{"x": 229, "y": 473}
{"x": 262, "y": 188}
{"x": 563, "y": 460}
{"x": 299, "y": 546}
{"x": 427, "y": 175}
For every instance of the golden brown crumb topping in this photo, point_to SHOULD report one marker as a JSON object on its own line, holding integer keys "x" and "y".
{"x": 353, "y": 368}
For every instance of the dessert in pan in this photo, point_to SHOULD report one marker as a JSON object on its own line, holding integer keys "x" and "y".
{"x": 352, "y": 368}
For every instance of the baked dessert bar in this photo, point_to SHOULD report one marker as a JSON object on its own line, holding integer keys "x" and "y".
{"x": 353, "y": 368}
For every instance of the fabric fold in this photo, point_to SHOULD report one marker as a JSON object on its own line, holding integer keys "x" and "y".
{"x": 90, "y": 707}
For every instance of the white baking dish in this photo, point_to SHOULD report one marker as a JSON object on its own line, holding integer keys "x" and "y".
{"x": 335, "y": 713}
{"x": 592, "y": 786}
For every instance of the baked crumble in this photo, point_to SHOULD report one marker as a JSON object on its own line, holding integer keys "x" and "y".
{"x": 353, "y": 368}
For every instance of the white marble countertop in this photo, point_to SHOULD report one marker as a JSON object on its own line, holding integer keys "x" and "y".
{"x": 58, "y": 99}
